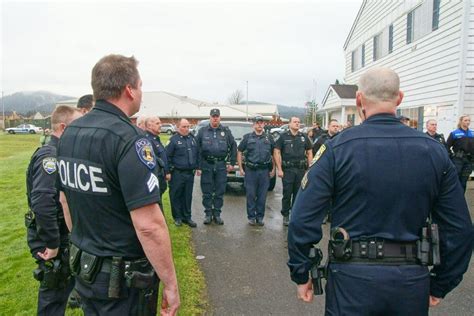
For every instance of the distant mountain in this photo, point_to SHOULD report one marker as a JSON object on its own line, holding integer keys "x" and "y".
{"x": 28, "y": 103}
{"x": 289, "y": 111}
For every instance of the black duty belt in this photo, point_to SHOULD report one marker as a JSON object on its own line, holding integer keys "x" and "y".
{"x": 302, "y": 164}
{"x": 379, "y": 251}
{"x": 183, "y": 170}
{"x": 212, "y": 159}
{"x": 257, "y": 166}
{"x": 141, "y": 265}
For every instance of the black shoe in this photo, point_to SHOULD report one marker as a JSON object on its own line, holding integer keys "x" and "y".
{"x": 178, "y": 222}
{"x": 260, "y": 222}
{"x": 207, "y": 220}
{"x": 190, "y": 223}
{"x": 286, "y": 220}
{"x": 252, "y": 222}
{"x": 218, "y": 220}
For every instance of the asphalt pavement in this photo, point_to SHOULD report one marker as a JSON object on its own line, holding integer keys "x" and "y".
{"x": 245, "y": 267}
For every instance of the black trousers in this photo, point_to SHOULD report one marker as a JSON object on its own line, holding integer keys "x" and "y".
{"x": 181, "y": 193}
{"x": 54, "y": 301}
{"x": 291, "y": 184}
{"x": 464, "y": 169}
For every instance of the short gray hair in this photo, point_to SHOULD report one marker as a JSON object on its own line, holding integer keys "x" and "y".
{"x": 380, "y": 84}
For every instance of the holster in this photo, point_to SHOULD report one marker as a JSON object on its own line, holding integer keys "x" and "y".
{"x": 54, "y": 273}
{"x": 30, "y": 219}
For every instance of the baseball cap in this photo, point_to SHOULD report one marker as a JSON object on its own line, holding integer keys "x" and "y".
{"x": 215, "y": 112}
{"x": 258, "y": 118}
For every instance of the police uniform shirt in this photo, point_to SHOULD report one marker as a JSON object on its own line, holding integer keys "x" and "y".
{"x": 293, "y": 147}
{"x": 107, "y": 168}
{"x": 383, "y": 179}
{"x": 217, "y": 143}
{"x": 258, "y": 149}
{"x": 51, "y": 230}
{"x": 438, "y": 137}
{"x": 182, "y": 152}
{"x": 461, "y": 140}
{"x": 160, "y": 151}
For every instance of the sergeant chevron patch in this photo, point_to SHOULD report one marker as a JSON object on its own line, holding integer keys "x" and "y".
{"x": 152, "y": 183}
{"x": 318, "y": 154}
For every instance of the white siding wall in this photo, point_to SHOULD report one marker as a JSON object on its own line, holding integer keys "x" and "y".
{"x": 333, "y": 101}
{"x": 469, "y": 75}
{"x": 428, "y": 67}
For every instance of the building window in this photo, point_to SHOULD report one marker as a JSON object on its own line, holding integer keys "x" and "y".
{"x": 377, "y": 52}
{"x": 410, "y": 17}
{"x": 390, "y": 39}
{"x": 363, "y": 56}
{"x": 353, "y": 61}
{"x": 435, "y": 23}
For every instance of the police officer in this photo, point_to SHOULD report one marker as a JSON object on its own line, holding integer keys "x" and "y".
{"x": 257, "y": 147}
{"x": 431, "y": 128}
{"x": 182, "y": 155}
{"x": 48, "y": 236}
{"x": 107, "y": 170}
{"x": 152, "y": 126}
{"x": 217, "y": 156}
{"x": 461, "y": 143}
{"x": 374, "y": 261}
{"x": 333, "y": 130}
{"x": 293, "y": 153}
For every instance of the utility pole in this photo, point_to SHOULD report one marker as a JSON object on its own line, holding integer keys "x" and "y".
{"x": 247, "y": 102}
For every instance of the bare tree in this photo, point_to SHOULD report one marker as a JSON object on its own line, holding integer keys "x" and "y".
{"x": 236, "y": 97}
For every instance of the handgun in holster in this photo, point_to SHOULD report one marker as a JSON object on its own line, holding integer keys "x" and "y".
{"x": 428, "y": 245}
{"x": 317, "y": 270}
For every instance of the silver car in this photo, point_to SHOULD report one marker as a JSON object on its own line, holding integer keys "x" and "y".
{"x": 24, "y": 129}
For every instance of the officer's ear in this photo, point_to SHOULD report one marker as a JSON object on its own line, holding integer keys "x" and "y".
{"x": 400, "y": 97}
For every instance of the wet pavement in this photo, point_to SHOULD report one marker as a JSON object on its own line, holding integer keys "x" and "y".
{"x": 245, "y": 267}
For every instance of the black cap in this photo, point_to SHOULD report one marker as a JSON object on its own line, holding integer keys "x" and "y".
{"x": 215, "y": 112}
{"x": 258, "y": 118}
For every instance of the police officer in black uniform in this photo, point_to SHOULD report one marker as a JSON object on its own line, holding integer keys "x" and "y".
{"x": 182, "y": 155}
{"x": 461, "y": 145}
{"x": 431, "y": 128}
{"x": 217, "y": 156}
{"x": 293, "y": 153}
{"x": 333, "y": 130}
{"x": 257, "y": 148}
{"x": 379, "y": 218}
{"x": 152, "y": 126}
{"x": 48, "y": 235}
{"x": 107, "y": 170}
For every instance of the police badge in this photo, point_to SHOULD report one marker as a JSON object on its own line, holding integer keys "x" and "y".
{"x": 49, "y": 165}
{"x": 302, "y": 139}
{"x": 145, "y": 152}
{"x": 222, "y": 134}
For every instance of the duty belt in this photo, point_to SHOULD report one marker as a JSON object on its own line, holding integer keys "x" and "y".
{"x": 212, "y": 159}
{"x": 380, "y": 252}
{"x": 294, "y": 164}
{"x": 255, "y": 166}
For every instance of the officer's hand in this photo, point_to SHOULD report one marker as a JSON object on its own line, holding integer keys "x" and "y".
{"x": 198, "y": 172}
{"x": 280, "y": 173}
{"x": 48, "y": 254}
{"x": 305, "y": 292}
{"x": 170, "y": 301}
{"x": 230, "y": 168}
{"x": 272, "y": 173}
{"x": 434, "y": 301}
{"x": 168, "y": 177}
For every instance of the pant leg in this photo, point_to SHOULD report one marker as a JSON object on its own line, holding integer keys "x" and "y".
{"x": 54, "y": 301}
{"x": 207, "y": 185}
{"x": 251, "y": 184}
{"x": 356, "y": 289}
{"x": 262, "y": 189}
{"x": 220, "y": 185}
{"x": 287, "y": 181}
{"x": 465, "y": 172}
{"x": 298, "y": 177}
{"x": 175, "y": 200}
{"x": 188, "y": 195}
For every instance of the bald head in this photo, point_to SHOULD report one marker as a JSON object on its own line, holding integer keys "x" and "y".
{"x": 183, "y": 127}
{"x": 380, "y": 84}
{"x": 379, "y": 92}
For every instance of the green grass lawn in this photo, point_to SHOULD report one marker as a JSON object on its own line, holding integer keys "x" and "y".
{"x": 18, "y": 289}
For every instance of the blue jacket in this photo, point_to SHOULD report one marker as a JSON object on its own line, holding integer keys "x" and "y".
{"x": 382, "y": 179}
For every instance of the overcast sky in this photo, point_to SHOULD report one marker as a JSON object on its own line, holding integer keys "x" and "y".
{"x": 201, "y": 49}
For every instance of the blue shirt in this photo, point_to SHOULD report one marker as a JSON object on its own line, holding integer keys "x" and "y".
{"x": 258, "y": 149}
{"x": 182, "y": 152}
{"x": 382, "y": 179}
{"x": 217, "y": 143}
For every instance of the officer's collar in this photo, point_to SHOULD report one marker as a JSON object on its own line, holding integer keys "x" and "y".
{"x": 385, "y": 118}
{"x": 218, "y": 127}
{"x": 53, "y": 141}
{"x": 111, "y": 108}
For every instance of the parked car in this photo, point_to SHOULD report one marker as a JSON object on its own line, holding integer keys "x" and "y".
{"x": 24, "y": 129}
{"x": 168, "y": 128}
{"x": 277, "y": 131}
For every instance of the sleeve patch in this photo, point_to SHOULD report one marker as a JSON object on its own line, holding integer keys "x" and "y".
{"x": 318, "y": 155}
{"x": 152, "y": 183}
{"x": 304, "y": 181}
{"x": 49, "y": 165}
{"x": 145, "y": 152}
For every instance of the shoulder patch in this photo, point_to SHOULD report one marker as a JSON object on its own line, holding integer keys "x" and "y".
{"x": 318, "y": 155}
{"x": 145, "y": 152}
{"x": 49, "y": 165}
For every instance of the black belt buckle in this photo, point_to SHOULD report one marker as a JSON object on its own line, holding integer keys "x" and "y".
{"x": 375, "y": 249}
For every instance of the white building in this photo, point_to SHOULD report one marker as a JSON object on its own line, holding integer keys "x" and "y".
{"x": 430, "y": 44}
{"x": 339, "y": 103}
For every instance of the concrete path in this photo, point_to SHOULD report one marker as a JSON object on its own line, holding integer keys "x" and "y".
{"x": 245, "y": 267}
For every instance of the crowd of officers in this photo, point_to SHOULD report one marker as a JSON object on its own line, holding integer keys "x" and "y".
{"x": 104, "y": 181}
